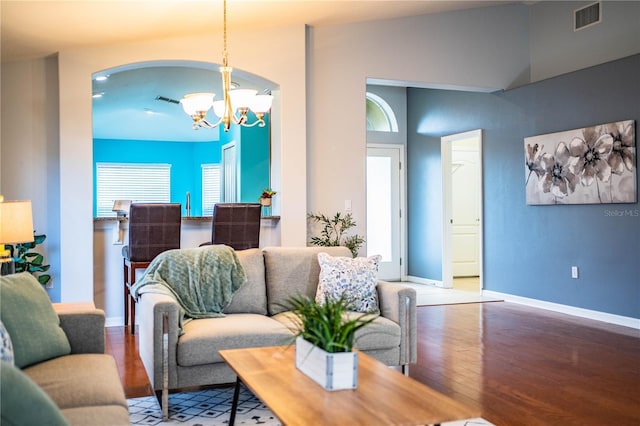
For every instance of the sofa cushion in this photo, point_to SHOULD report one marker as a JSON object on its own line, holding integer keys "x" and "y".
{"x": 203, "y": 338}
{"x": 80, "y": 380}
{"x": 28, "y": 315}
{"x": 382, "y": 333}
{"x": 6, "y": 348}
{"x": 23, "y": 402}
{"x": 251, "y": 297}
{"x": 293, "y": 271}
{"x": 353, "y": 278}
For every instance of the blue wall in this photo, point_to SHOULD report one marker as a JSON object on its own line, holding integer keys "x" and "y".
{"x": 254, "y": 157}
{"x": 185, "y": 158}
{"x": 529, "y": 250}
{"x": 254, "y": 161}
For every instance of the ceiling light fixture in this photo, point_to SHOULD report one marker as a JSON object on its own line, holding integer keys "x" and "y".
{"x": 235, "y": 104}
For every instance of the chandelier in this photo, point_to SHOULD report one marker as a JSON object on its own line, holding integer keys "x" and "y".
{"x": 235, "y": 104}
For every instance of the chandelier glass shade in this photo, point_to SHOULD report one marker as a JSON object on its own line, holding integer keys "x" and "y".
{"x": 234, "y": 105}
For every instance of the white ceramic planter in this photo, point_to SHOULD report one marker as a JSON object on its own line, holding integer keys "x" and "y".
{"x": 332, "y": 371}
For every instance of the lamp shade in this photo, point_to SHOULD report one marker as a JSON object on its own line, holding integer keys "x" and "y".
{"x": 261, "y": 103}
{"x": 197, "y": 102}
{"x": 16, "y": 222}
{"x": 218, "y": 108}
{"x": 242, "y": 98}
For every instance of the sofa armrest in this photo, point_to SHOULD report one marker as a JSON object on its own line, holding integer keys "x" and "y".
{"x": 398, "y": 303}
{"x": 84, "y": 329}
{"x": 158, "y": 331}
{"x": 158, "y": 318}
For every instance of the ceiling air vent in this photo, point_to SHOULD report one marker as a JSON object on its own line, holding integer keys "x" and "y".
{"x": 587, "y": 16}
{"x": 165, "y": 99}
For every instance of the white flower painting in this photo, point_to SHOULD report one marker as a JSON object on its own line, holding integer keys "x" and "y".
{"x": 593, "y": 165}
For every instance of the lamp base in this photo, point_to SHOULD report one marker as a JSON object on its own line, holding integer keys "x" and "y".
{"x": 7, "y": 266}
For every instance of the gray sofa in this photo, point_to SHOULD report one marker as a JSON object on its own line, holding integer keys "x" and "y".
{"x": 257, "y": 317}
{"x": 78, "y": 385}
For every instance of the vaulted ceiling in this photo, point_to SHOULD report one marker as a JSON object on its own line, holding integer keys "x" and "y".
{"x": 34, "y": 29}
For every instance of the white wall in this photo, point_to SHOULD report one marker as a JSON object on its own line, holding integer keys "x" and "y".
{"x": 29, "y": 148}
{"x": 556, "y": 49}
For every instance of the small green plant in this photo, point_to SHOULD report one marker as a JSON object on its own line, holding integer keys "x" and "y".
{"x": 29, "y": 261}
{"x": 325, "y": 324}
{"x": 333, "y": 232}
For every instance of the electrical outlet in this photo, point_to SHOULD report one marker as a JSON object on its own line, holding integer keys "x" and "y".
{"x": 574, "y": 272}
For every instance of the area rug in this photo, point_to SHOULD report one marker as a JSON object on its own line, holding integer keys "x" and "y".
{"x": 212, "y": 407}
{"x": 209, "y": 407}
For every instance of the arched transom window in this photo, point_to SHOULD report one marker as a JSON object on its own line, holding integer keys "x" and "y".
{"x": 380, "y": 116}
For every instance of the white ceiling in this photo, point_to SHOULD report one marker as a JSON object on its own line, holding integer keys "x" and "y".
{"x": 33, "y": 29}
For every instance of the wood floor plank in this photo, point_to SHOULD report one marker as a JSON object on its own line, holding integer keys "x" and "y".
{"x": 518, "y": 365}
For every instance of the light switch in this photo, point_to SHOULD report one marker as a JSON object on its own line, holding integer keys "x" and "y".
{"x": 574, "y": 272}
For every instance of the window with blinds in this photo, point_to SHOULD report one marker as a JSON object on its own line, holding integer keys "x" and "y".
{"x": 211, "y": 184}
{"x": 150, "y": 183}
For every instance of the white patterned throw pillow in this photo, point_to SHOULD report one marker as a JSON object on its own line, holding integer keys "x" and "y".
{"x": 6, "y": 348}
{"x": 355, "y": 278}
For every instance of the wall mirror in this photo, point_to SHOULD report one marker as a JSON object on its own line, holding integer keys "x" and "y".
{"x": 140, "y": 126}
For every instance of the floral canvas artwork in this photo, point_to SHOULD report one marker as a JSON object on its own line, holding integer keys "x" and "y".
{"x": 593, "y": 165}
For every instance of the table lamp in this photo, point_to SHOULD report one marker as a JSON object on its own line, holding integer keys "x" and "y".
{"x": 16, "y": 226}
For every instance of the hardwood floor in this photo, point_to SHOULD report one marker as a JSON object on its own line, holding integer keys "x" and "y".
{"x": 518, "y": 365}
{"x": 124, "y": 347}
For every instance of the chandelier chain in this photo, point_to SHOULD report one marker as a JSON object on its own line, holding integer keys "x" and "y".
{"x": 224, "y": 17}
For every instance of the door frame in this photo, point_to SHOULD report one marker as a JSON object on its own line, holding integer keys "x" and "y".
{"x": 447, "y": 202}
{"x": 229, "y": 146}
{"x": 403, "y": 201}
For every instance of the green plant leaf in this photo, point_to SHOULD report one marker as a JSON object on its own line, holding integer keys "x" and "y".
{"x": 326, "y": 325}
{"x": 30, "y": 261}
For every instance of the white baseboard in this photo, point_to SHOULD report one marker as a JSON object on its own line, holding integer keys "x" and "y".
{"x": 114, "y": 322}
{"x": 425, "y": 281}
{"x": 566, "y": 309}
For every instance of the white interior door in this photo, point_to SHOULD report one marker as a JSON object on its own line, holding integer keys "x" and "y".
{"x": 465, "y": 212}
{"x": 229, "y": 173}
{"x": 384, "y": 208}
{"x": 462, "y": 206}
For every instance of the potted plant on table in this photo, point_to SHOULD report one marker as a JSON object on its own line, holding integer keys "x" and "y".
{"x": 325, "y": 334}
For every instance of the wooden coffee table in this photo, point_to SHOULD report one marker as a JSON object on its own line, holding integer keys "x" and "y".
{"x": 384, "y": 396}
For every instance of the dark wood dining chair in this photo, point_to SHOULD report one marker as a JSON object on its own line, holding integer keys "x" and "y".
{"x": 153, "y": 228}
{"x": 236, "y": 225}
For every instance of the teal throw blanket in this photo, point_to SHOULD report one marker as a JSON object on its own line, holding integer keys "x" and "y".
{"x": 203, "y": 280}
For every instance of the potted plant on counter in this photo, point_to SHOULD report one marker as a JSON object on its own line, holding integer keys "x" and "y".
{"x": 265, "y": 197}
{"x": 325, "y": 334}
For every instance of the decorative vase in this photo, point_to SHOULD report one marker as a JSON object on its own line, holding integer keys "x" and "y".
{"x": 332, "y": 371}
{"x": 265, "y": 201}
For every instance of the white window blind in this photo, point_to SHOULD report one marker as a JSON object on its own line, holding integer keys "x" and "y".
{"x": 210, "y": 187}
{"x": 149, "y": 183}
